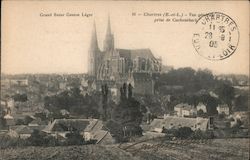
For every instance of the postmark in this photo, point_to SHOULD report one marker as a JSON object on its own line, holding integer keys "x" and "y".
{"x": 216, "y": 36}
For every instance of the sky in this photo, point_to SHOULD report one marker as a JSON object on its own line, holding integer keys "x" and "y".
{"x": 32, "y": 43}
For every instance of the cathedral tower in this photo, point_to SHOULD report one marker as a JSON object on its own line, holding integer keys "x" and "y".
{"x": 108, "y": 44}
{"x": 93, "y": 53}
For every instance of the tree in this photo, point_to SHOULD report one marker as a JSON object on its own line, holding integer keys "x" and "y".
{"x": 74, "y": 102}
{"x": 241, "y": 103}
{"x": 226, "y": 93}
{"x": 126, "y": 116}
{"x": 104, "y": 100}
{"x": 211, "y": 103}
{"x": 130, "y": 88}
{"x": 36, "y": 138}
{"x": 74, "y": 138}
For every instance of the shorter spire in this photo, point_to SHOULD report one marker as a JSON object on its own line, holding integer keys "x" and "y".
{"x": 108, "y": 33}
{"x": 109, "y": 38}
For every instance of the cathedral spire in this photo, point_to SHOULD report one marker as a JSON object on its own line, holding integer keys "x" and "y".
{"x": 108, "y": 33}
{"x": 108, "y": 44}
{"x": 93, "y": 53}
{"x": 94, "y": 43}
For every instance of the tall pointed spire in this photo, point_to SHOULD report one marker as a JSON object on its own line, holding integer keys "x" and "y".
{"x": 108, "y": 33}
{"x": 94, "y": 43}
{"x": 93, "y": 53}
{"x": 108, "y": 44}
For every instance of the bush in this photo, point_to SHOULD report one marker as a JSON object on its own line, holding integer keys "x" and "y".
{"x": 74, "y": 138}
{"x": 7, "y": 142}
{"x": 183, "y": 132}
{"x": 39, "y": 138}
{"x": 198, "y": 134}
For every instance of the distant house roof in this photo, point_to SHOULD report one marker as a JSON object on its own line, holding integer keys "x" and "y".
{"x": 177, "y": 122}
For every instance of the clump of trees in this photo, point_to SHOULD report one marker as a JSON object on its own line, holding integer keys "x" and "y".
{"x": 74, "y": 102}
{"x": 183, "y": 132}
{"x": 126, "y": 117}
{"x": 188, "y": 133}
{"x": 190, "y": 79}
{"x": 185, "y": 85}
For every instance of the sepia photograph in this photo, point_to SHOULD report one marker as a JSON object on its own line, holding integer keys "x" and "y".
{"x": 124, "y": 80}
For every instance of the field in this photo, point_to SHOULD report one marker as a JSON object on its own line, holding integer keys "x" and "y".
{"x": 158, "y": 149}
{"x": 217, "y": 149}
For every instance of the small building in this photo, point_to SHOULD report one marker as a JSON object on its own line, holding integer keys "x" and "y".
{"x": 201, "y": 106}
{"x": 223, "y": 108}
{"x": 178, "y": 109}
{"x": 185, "y": 110}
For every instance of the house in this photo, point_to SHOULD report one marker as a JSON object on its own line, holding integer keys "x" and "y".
{"x": 202, "y": 107}
{"x": 173, "y": 122}
{"x": 90, "y": 129}
{"x": 223, "y": 108}
{"x": 178, "y": 109}
{"x": 185, "y": 110}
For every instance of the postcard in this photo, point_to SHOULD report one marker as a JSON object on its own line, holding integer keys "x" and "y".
{"x": 124, "y": 80}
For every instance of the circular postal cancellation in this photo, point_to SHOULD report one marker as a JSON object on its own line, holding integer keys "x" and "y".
{"x": 216, "y": 36}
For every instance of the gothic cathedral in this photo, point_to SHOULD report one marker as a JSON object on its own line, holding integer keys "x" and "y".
{"x": 117, "y": 66}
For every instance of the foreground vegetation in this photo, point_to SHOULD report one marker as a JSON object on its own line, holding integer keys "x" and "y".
{"x": 217, "y": 149}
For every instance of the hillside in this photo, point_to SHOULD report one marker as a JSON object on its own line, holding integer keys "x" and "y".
{"x": 218, "y": 149}
{"x": 87, "y": 152}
